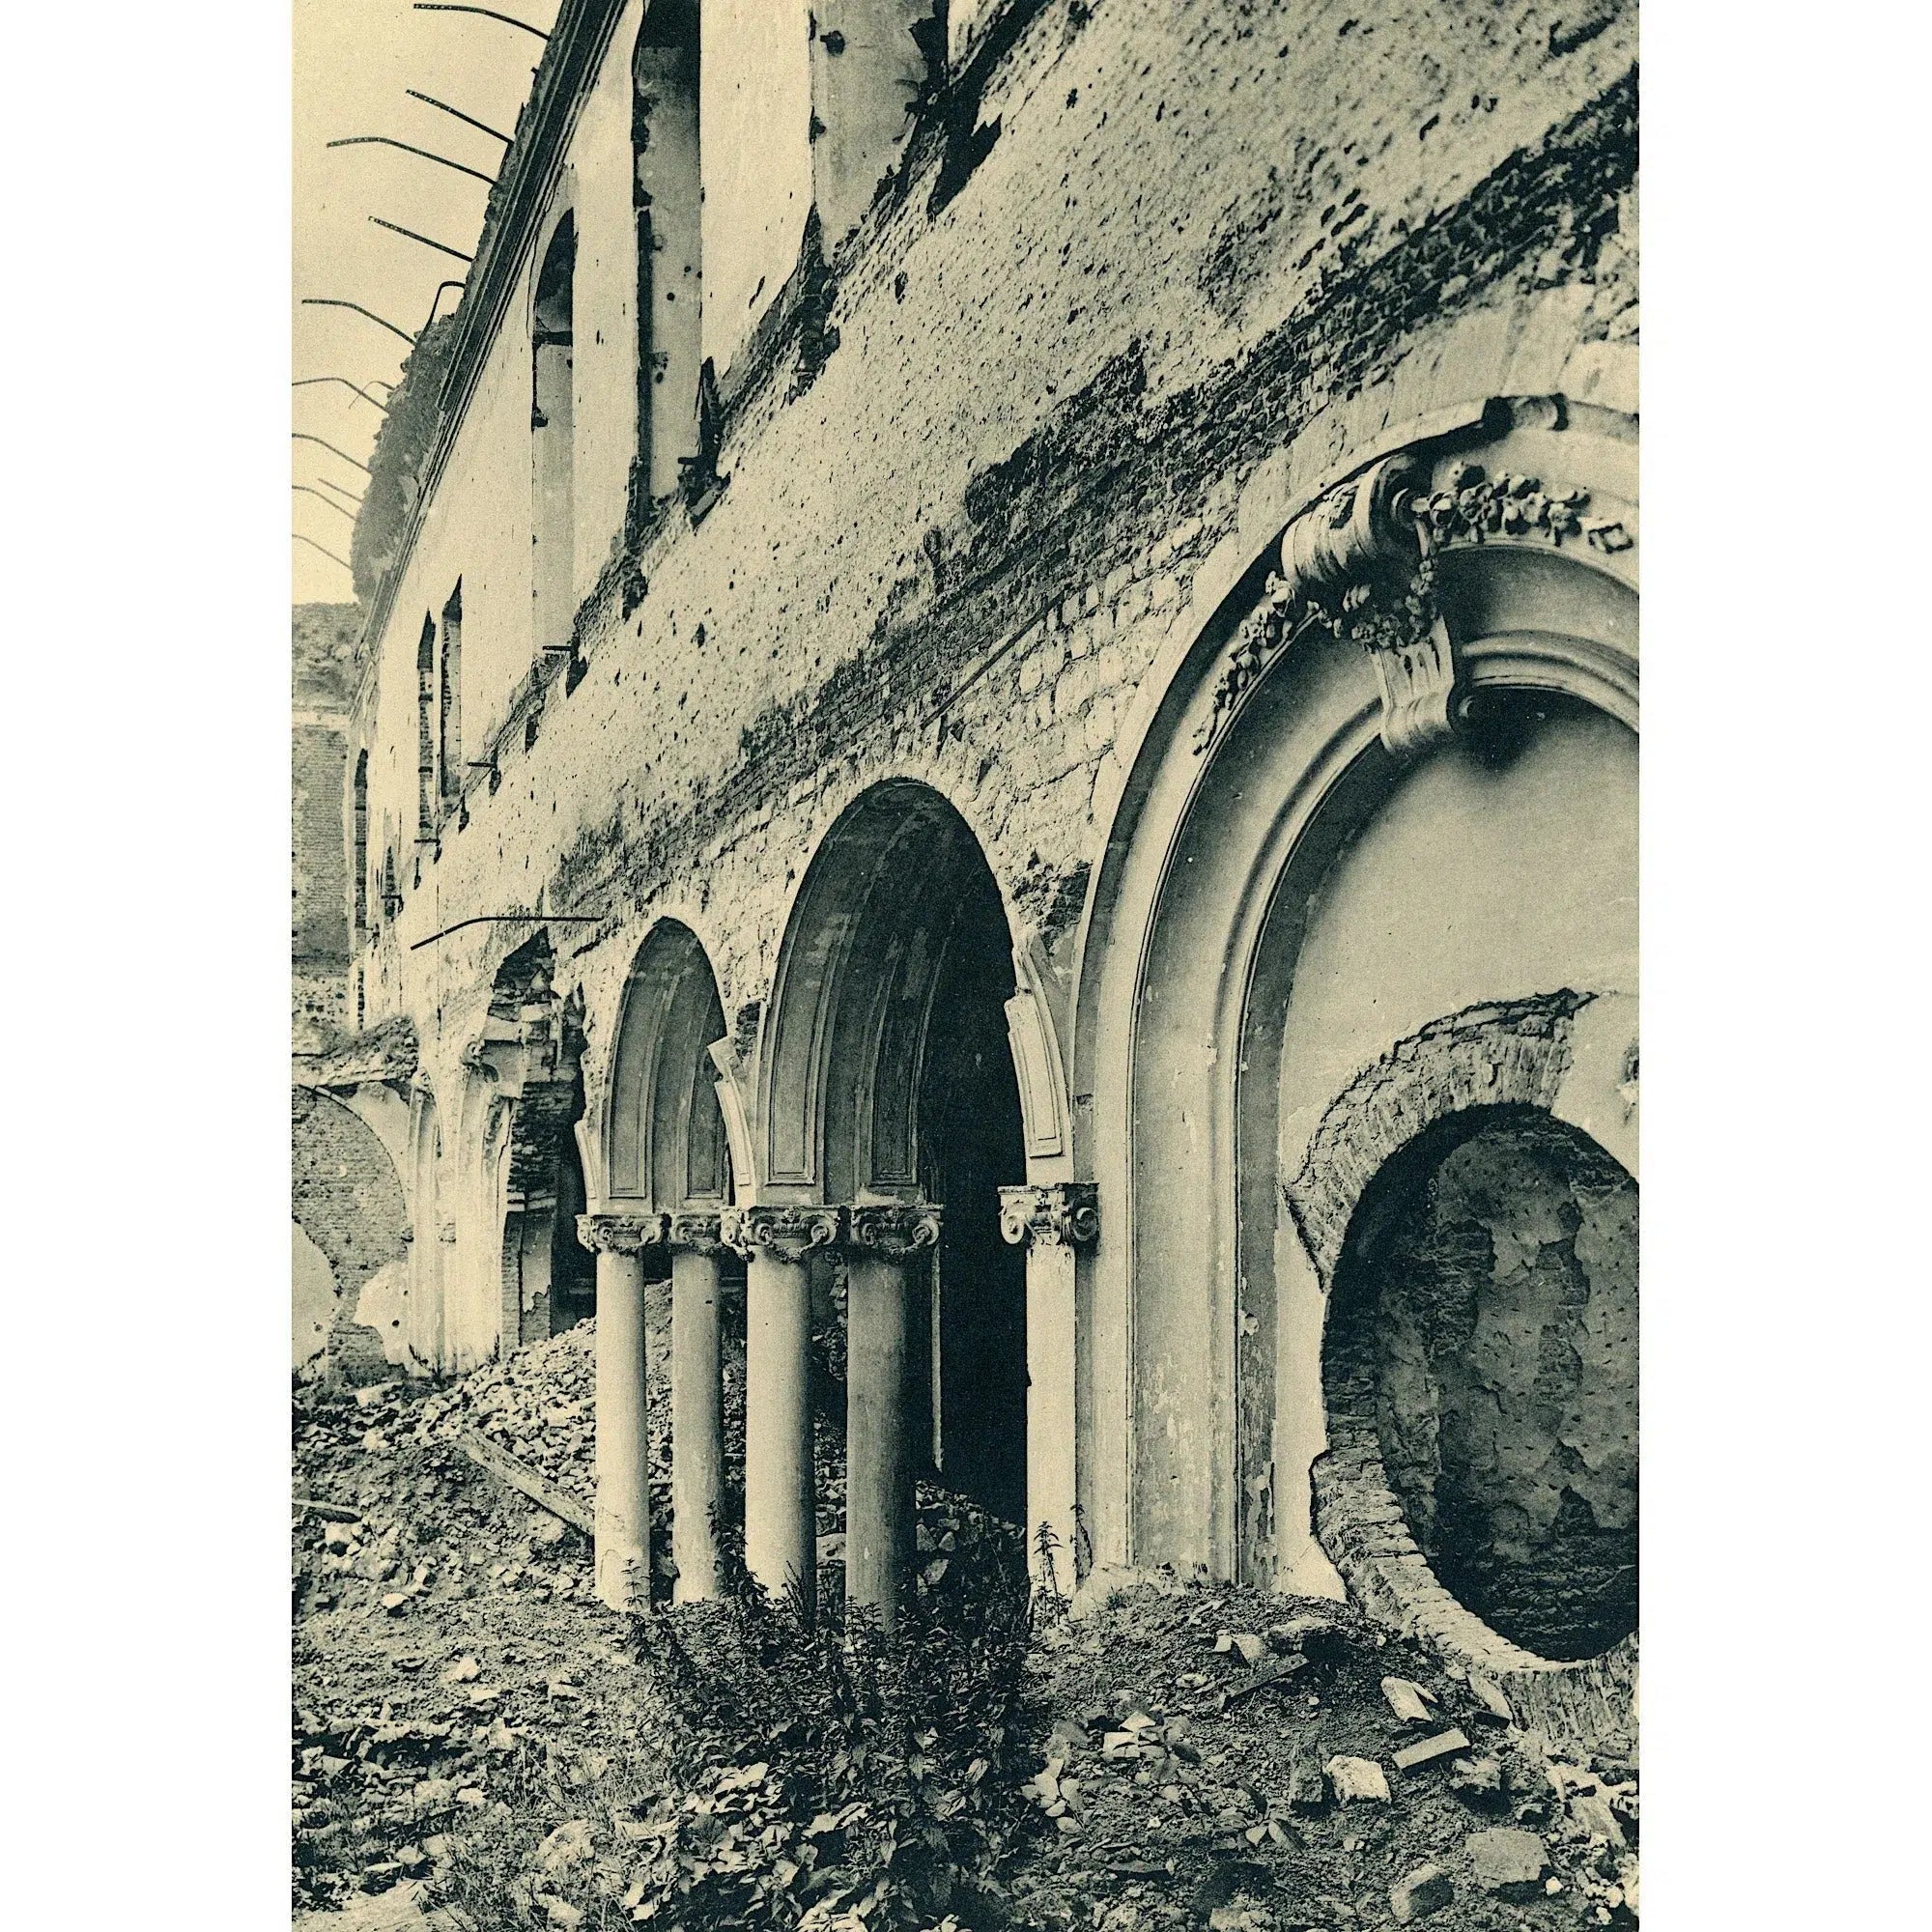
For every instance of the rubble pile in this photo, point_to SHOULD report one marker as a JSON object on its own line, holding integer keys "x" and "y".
{"x": 450, "y": 1657}
{"x": 1247, "y": 1763}
{"x": 474, "y": 1731}
{"x": 540, "y": 1404}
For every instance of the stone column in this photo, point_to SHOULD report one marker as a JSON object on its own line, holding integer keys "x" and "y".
{"x": 780, "y": 1529}
{"x": 1055, "y": 1222}
{"x": 890, "y": 1250}
{"x": 696, "y": 1405}
{"x": 623, "y": 1516}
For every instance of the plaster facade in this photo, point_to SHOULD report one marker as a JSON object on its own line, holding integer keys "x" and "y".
{"x": 1173, "y": 546}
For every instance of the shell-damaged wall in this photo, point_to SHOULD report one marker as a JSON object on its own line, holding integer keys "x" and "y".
{"x": 974, "y": 465}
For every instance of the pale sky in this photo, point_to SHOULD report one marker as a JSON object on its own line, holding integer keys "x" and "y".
{"x": 353, "y": 61}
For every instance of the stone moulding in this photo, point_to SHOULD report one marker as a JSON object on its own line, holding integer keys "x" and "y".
{"x": 1360, "y": 563}
{"x": 1065, "y": 1214}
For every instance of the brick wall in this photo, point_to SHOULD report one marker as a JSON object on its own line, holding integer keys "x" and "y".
{"x": 346, "y": 1198}
{"x": 953, "y": 547}
{"x": 324, "y": 638}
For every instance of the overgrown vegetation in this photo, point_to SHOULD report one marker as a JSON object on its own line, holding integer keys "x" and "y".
{"x": 833, "y": 1772}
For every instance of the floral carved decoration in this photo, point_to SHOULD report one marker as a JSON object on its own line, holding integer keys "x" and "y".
{"x": 1360, "y": 564}
{"x": 1476, "y": 506}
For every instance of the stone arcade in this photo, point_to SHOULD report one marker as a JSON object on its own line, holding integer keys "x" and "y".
{"x": 1018, "y": 727}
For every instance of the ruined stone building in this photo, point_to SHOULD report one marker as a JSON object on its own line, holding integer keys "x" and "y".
{"x": 1002, "y": 697}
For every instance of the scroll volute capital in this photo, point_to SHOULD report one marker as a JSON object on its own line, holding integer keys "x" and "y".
{"x": 1064, "y": 1214}
{"x": 893, "y": 1230}
{"x": 789, "y": 1233}
{"x": 620, "y": 1234}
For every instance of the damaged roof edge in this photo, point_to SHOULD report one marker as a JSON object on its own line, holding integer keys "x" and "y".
{"x": 577, "y": 43}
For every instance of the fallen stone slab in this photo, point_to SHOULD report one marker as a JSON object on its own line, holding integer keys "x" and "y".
{"x": 498, "y": 1461}
{"x": 1508, "y": 1861}
{"x": 1444, "y": 1743}
{"x": 1358, "y": 1778}
{"x": 1407, "y": 1700}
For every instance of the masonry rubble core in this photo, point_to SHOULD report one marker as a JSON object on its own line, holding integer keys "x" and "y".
{"x": 981, "y": 734}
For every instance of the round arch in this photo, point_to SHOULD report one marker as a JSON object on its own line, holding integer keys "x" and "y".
{"x": 887, "y": 1073}
{"x": 663, "y": 1138}
{"x": 1444, "y": 640}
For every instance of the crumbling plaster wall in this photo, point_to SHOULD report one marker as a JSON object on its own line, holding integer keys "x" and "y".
{"x": 956, "y": 553}
{"x": 347, "y": 1202}
{"x": 956, "y": 556}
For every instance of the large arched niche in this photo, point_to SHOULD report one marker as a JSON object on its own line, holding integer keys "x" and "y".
{"x": 1389, "y": 778}
{"x": 664, "y": 1134}
{"x": 886, "y": 1073}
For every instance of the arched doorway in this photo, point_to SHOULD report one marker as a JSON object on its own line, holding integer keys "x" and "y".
{"x": 1374, "y": 865}
{"x": 887, "y": 1076}
{"x": 532, "y": 1051}
{"x": 667, "y": 1182}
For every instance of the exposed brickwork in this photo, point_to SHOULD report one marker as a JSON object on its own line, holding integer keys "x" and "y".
{"x": 1510, "y": 1056}
{"x": 1485, "y": 1328}
{"x": 959, "y": 552}
{"x": 347, "y": 1198}
{"x": 1513, "y": 1054}
{"x": 1147, "y": 264}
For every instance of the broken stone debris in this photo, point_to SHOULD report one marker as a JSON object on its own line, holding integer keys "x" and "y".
{"x": 1410, "y": 1702}
{"x": 1421, "y": 1893}
{"x": 1358, "y": 1778}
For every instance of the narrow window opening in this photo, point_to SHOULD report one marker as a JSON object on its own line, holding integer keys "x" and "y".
{"x": 425, "y": 730}
{"x": 665, "y": 74}
{"x": 449, "y": 697}
{"x": 554, "y": 438}
{"x": 359, "y": 833}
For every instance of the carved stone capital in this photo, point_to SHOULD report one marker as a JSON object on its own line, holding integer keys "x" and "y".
{"x": 1065, "y": 1214}
{"x": 697, "y": 1231}
{"x": 788, "y": 1232}
{"x": 893, "y": 1230}
{"x": 620, "y": 1234}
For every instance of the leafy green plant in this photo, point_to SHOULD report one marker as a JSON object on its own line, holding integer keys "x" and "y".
{"x": 837, "y": 1774}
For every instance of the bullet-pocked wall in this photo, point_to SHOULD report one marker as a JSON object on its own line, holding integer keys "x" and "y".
{"x": 981, "y": 481}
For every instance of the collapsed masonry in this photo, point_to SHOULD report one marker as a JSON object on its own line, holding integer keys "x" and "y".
{"x": 1046, "y": 768}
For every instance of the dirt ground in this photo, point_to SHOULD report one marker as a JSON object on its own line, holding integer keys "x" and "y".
{"x": 475, "y": 1738}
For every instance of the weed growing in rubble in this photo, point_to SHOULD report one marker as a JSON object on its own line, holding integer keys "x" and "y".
{"x": 832, "y": 1769}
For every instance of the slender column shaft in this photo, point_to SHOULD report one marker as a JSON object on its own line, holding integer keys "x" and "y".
{"x": 780, "y": 1535}
{"x": 623, "y": 1521}
{"x": 1051, "y": 1430}
{"x": 879, "y": 1313}
{"x": 1058, "y": 1223}
{"x": 697, "y": 1422}
{"x": 886, "y": 1294}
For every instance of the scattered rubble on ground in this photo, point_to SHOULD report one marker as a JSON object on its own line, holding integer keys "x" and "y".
{"x": 475, "y": 1743}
